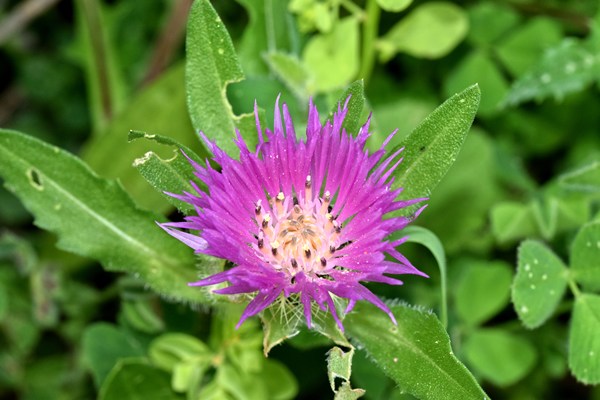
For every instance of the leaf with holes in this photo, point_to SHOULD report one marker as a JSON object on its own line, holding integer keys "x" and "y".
{"x": 94, "y": 217}
{"x": 539, "y": 285}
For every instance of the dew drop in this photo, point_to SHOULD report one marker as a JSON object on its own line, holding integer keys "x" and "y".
{"x": 221, "y": 51}
{"x": 530, "y": 275}
{"x": 527, "y": 267}
{"x": 532, "y": 287}
{"x": 570, "y": 68}
{"x": 544, "y": 277}
{"x": 57, "y": 207}
{"x": 535, "y": 261}
{"x": 395, "y": 359}
{"x": 591, "y": 353}
{"x": 546, "y": 78}
{"x": 524, "y": 309}
{"x": 552, "y": 292}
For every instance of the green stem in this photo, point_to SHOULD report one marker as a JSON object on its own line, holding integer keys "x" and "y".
{"x": 573, "y": 286}
{"x": 370, "y": 26}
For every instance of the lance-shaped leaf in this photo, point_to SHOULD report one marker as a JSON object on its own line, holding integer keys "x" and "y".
{"x": 416, "y": 354}
{"x": 211, "y": 65}
{"x": 94, "y": 217}
{"x": 431, "y": 149}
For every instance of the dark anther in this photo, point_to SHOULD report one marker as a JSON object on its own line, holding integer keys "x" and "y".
{"x": 257, "y": 209}
{"x": 307, "y": 253}
{"x": 332, "y": 249}
{"x": 323, "y": 262}
{"x": 341, "y": 246}
{"x": 265, "y": 223}
{"x": 261, "y": 243}
{"x": 294, "y": 263}
{"x": 293, "y": 280}
{"x": 274, "y": 251}
{"x": 295, "y": 201}
{"x": 329, "y": 208}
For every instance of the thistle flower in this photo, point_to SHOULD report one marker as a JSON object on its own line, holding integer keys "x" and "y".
{"x": 303, "y": 218}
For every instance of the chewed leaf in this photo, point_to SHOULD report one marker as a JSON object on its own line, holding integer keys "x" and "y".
{"x": 539, "y": 285}
{"x": 94, "y": 217}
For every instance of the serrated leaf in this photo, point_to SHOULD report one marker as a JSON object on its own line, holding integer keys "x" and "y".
{"x": 431, "y": 149}
{"x": 416, "y": 354}
{"x": 356, "y": 92}
{"x": 333, "y": 57}
{"x": 483, "y": 290}
{"x": 171, "y": 174}
{"x": 564, "y": 69}
{"x": 345, "y": 392}
{"x": 584, "y": 341}
{"x": 135, "y": 379}
{"x": 499, "y": 356}
{"x": 211, "y": 65}
{"x": 585, "y": 256}
{"x": 584, "y": 179}
{"x": 539, "y": 284}
{"x": 94, "y": 217}
{"x": 431, "y": 30}
{"x": 158, "y": 109}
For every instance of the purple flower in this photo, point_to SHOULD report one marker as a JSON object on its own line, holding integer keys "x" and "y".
{"x": 303, "y": 218}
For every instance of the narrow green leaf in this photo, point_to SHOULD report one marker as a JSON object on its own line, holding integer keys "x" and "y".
{"x": 158, "y": 109}
{"x": 483, "y": 290}
{"x": 416, "y": 354}
{"x": 431, "y": 30}
{"x": 135, "y": 379}
{"x": 425, "y": 237}
{"x": 94, "y": 217}
{"x": 333, "y": 57}
{"x": 172, "y": 174}
{"x": 585, "y": 256}
{"x": 211, "y": 65}
{"x": 356, "y": 91}
{"x": 431, "y": 149}
{"x": 102, "y": 346}
{"x": 584, "y": 179}
{"x": 499, "y": 356}
{"x": 584, "y": 341}
{"x": 539, "y": 285}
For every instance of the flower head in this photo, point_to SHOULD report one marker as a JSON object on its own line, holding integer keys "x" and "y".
{"x": 302, "y": 218}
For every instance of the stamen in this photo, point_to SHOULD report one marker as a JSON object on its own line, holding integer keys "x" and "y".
{"x": 279, "y": 202}
{"x": 294, "y": 263}
{"x": 325, "y": 202}
{"x": 258, "y": 208}
{"x": 266, "y": 219}
{"x": 337, "y": 226}
{"x": 323, "y": 262}
{"x": 274, "y": 247}
{"x": 308, "y": 188}
{"x": 331, "y": 248}
{"x": 306, "y": 251}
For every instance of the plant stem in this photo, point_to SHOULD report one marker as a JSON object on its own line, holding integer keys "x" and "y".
{"x": 370, "y": 26}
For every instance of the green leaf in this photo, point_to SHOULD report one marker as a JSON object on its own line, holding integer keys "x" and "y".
{"x": 94, "y": 217}
{"x": 290, "y": 71}
{"x": 158, "y": 109}
{"x": 102, "y": 346}
{"x": 169, "y": 349}
{"x": 339, "y": 365}
{"x": 431, "y": 30}
{"x": 539, "y": 284}
{"x": 488, "y": 21}
{"x": 584, "y": 179}
{"x": 135, "y": 379}
{"x": 356, "y": 91}
{"x": 425, "y": 237}
{"x": 511, "y": 221}
{"x": 499, "y": 356}
{"x": 525, "y": 45}
{"x": 394, "y": 5}
{"x": 416, "y": 354}
{"x": 431, "y": 149}
{"x": 172, "y": 174}
{"x": 482, "y": 291}
{"x": 345, "y": 392}
{"x": 212, "y": 65}
{"x": 585, "y": 256}
{"x": 564, "y": 69}
{"x": 478, "y": 68}
{"x": 280, "y": 383}
{"x": 278, "y": 326}
{"x": 333, "y": 57}
{"x": 584, "y": 341}
{"x": 140, "y": 315}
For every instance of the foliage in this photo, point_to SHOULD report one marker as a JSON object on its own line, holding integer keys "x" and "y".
{"x": 104, "y": 105}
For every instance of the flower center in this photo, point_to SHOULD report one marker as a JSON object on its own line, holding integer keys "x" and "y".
{"x": 298, "y": 237}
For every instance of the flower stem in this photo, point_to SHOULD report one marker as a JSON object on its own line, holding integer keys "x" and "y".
{"x": 370, "y": 26}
